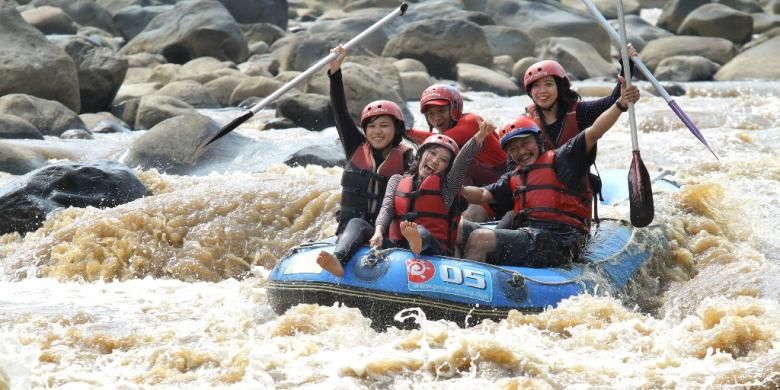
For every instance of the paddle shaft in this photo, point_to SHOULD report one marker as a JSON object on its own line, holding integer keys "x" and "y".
{"x": 308, "y": 72}
{"x": 627, "y": 76}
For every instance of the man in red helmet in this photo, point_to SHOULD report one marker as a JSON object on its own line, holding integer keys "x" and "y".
{"x": 442, "y": 106}
{"x": 548, "y": 192}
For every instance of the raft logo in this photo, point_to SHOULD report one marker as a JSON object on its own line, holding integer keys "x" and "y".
{"x": 419, "y": 270}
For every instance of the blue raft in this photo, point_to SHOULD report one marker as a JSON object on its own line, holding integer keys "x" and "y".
{"x": 459, "y": 290}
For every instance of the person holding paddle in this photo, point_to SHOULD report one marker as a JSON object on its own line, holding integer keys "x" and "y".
{"x": 549, "y": 192}
{"x": 373, "y": 157}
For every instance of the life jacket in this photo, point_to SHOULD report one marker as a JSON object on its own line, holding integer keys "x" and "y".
{"x": 539, "y": 196}
{"x": 425, "y": 206}
{"x": 569, "y": 128}
{"x": 363, "y": 184}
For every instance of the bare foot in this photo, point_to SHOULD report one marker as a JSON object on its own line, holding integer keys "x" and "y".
{"x": 330, "y": 263}
{"x": 412, "y": 235}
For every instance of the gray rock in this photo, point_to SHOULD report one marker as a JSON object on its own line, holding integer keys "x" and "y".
{"x": 76, "y": 134}
{"x": 204, "y": 69}
{"x": 478, "y": 78}
{"x": 222, "y": 88}
{"x": 511, "y": 41}
{"x": 262, "y": 32}
{"x": 718, "y": 50}
{"x": 579, "y": 58}
{"x": 91, "y": 120}
{"x": 639, "y": 31}
{"x": 48, "y": 116}
{"x": 414, "y": 83}
{"x": 130, "y": 21}
{"x": 307, "y": 110}
{"x": 519, "y": 68}
{"x": 126, "y": 110}
{"x": 25, "y": 202}
{"x": 503, "y": 64}
{"x": 686, "y": 68}
{"x": 608, "y": 8}
{"x": 135, "y": 91}
{"x": 763, "y": 22}
{"x": 85, "y": 13}
{"x": 54, "y": 75}
{"x": 330, "y": 155}
{"x": 279, "y": 123}
{"x": 747, "y": 6}
{"x": 50, "y": 20}
{"x": 431, "y": 43}
{"x": 11, "y": 126}
{"x": 675, "y": 11}
{"x": 101, "y": 73}
{"x": 190, "y": 92}
{"x": 154, "y": 109}
{"x": 144, "y": 60}
{"x": 342, "y": 30}
{"x": 198, "y": 28}
{"x": 757, "y": 63}
{"x": 258, "y": 86}
{"x": 259, "y": 11}
{"x": 709, "y": 19}
{"x": 18, "y": 160}
{"x": 410, "y": 65}
{"x": 107, "y": 126}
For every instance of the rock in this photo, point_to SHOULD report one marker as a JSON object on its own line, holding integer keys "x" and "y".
{"x": 410, "y": 65}
{"x": 414, "y": 83}
{"x": 709, "y": 19}
{"x": 519, "y": 68}
{"x": 718, "y": 50}
{"x": 91, "y": 121}
{"x": 675, "y": 11}
{"x": 579, "y": 58}
{"x": 431, "y": 43}
{"x": 308, "y": 110}
{"x": 757, "y": 63}
{"x": 198, "y": 28}
{"x": 126, "y": 110}
{"x": 608, "y": 8}
{"x": 50, "y": 20}
{"x": 76, "y": 134}
{"x": 154, "y": 109}
{"x": 25, "y": 202}
{"x": 545, "y": 19}
{"x": 503, "y": 64}
{"x": 222, "y": 88}
{"x": 478, "y": 78}
{"x": 747, "y": 6}
{"x": 135, "y": 91}
{"x": 259, "y": 11}
{"x": 18, "y": 160}
{"x": 12, "y": 126}
{"x": 258, "y": 48}
{"x": 144, "y": 60}
{"x": 764, "y": 22}
{"x": 204, "y": 69}
{"x": 130, "y": 21}
{"x": 266, "y": 65}
{"x": 48, "y": 116}
{"x": 330, "y": 155}
{"x": 509, "y": 41}
{"x": 686, "y": 68}
{"x": 639, "y": 31}
{"x": 342, "y": 30}
{"x": 258, "y": 86}
{"x": 262, "y": 32}
{"x": 54, "y": 75}
{"x": 190, "y": 92}
{"x": 85, "y": 13}
{"x": 172, "y": 145}
{"x": 279, "y": 123}
{"x": 101, "y": 73}
{"x": 106, "y": 126}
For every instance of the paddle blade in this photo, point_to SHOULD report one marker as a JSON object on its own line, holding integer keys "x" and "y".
{"x": 229, "y": 127}
{"x": 640, "y": 194}
{"x": 691, "y": 126}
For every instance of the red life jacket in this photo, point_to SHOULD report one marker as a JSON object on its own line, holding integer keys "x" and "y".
{"x": 425, "y": 206}
{"x": 569, "y": 128}
{"x": 540, "y": 196}
{"x": 363, "y": 183}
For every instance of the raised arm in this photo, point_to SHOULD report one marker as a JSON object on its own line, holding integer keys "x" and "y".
{"x": 606, "y": 120}
{"x": 351, "y": 137}
{"x": 460, "y": 166}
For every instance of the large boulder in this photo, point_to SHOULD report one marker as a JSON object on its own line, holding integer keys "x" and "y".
{"x": 579, "y": 58}
{"x": 101, "y": 72}
{"x": 11, "y": 126}
{"x": 192, "y": 29}
{"x": 50, "y": 20}
{"x": 258, "y": 11}
{"x": 190, "y": 92}
{"x": 757, "y": 63}
{"x": 709, "y": 19}
{"x": 308, "y": 110}
{"x": 675, "y": 11}
{"x": 608, "y": 8}
{"x": 130, "y": 21}
{"x": 639, "y": 31}
{"x": 25, "y": 202}
{"x": 478, "y": 78}
{"x": 84, "y": 12}
{"x": 686, "y": 68}
{"x": 431, "y": 42}
{"x": 54, "y": 75}
{"x": 262, "y": 32}
{"x": 19, "y": 159}
{"x": 547, "y": 18}
{"x": 511, "y": 41}
{"x": 329, "y": 155}
{"x": 173, "y": 145}
{"x": 154, "y": 109}
{"x": 718, "y": 50}
{"x": 342, "y": 30}
{"x": 48, "y": 116}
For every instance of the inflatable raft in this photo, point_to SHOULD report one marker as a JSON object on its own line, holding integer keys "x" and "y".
{"x": 459, "y": 290}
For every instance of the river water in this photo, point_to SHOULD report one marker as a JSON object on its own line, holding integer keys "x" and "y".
{"x": 168, "y": 291}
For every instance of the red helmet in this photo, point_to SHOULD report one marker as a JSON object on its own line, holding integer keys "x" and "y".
{"x": 543, "y": 69}
{"x": 440, "y": 140}
{"x": 379, "y": 108}
{"x": 522, "y": 126}
{"x": 442, "y": 95}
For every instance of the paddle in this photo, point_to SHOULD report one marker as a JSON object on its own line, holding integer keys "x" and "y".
{"x": 292, "y": 83}
{"x": 621, "y": 42}
{"x": 640, "y": 195}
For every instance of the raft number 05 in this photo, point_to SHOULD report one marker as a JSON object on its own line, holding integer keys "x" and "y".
{"x": 466, "y": 277}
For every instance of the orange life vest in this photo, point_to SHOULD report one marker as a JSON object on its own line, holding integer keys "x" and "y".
{"x": 425, "y": 206}
{"x": 569, "y": 128}
{"x": 540, "y": 196}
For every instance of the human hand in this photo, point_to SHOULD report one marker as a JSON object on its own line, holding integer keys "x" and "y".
{"x": 485, "y": 128}
{"x": 627, "y": 94}
{"x": 341, "y": 54}
{"x": 632, "y": 51}
{"x": 376, "y": 240}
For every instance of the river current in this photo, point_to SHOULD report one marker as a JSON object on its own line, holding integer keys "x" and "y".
{"x": 168, "y": 291}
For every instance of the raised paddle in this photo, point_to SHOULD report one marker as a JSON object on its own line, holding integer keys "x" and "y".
{"x": 640, "y": 195}
{"x": 621, "y": 42}
{"x": 292, "y": 83}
